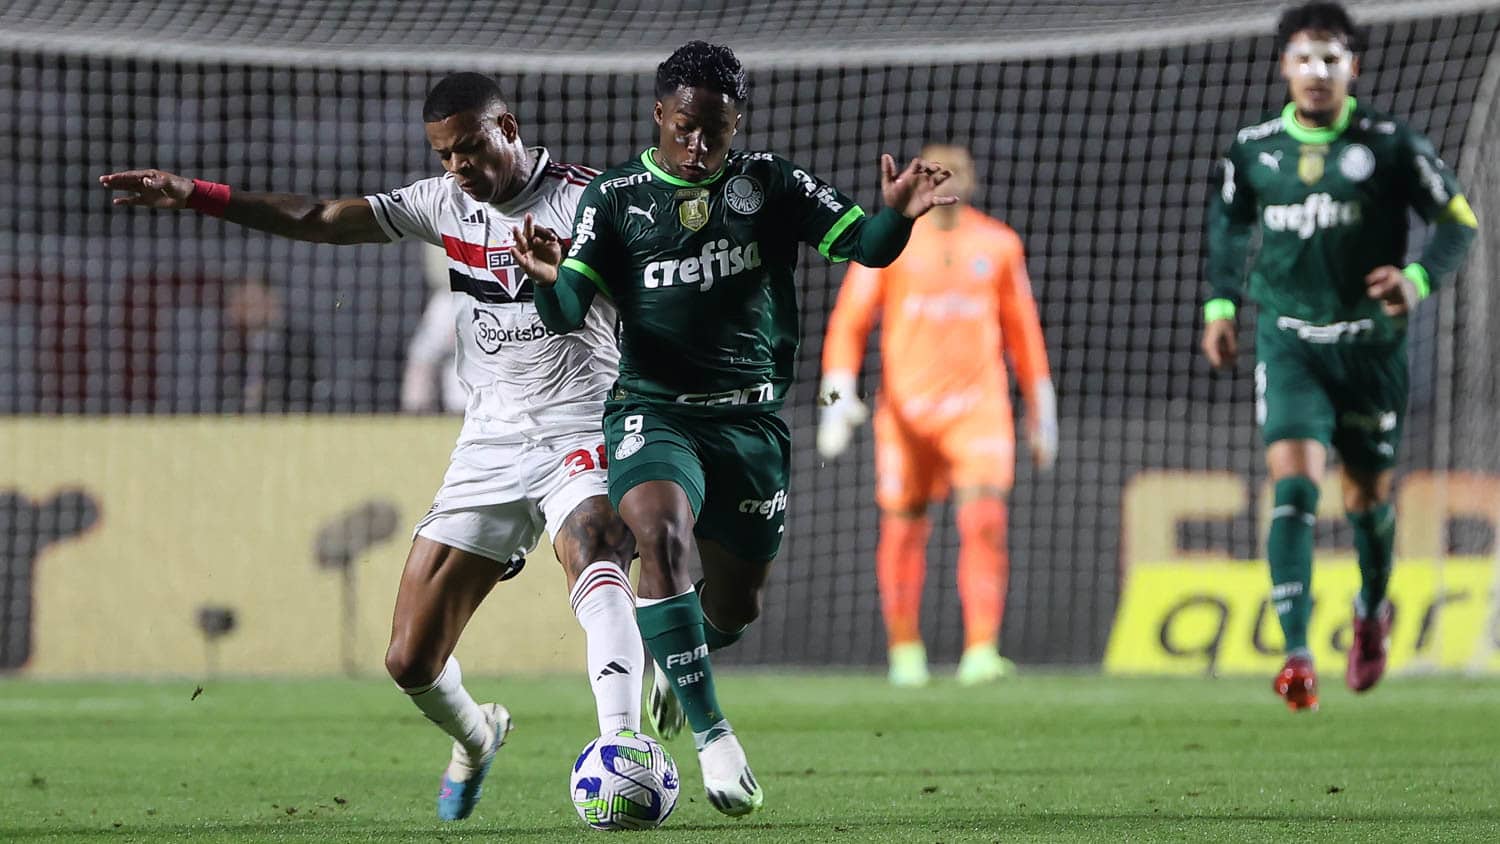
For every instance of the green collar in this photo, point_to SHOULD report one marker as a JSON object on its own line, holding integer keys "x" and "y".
{"x": 670, "y": 179}
{"x": 1321, "y": 135}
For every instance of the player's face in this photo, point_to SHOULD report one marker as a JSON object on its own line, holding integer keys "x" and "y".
{"x": 482, "y": 149}
{"x": 1318, "y": 67}
{"x": 958, "y": 162}
{"x": 697, "y": 125}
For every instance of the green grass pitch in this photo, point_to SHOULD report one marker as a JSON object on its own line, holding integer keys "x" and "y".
{"x": 842, "y": 758}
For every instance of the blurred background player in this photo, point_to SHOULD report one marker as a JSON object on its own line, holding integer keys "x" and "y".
{"x": 1328, "y": 182}
{"x": 955, "y": 302}
{"x": 430, "y": 382}
{"x": 697, "y": 244}
{"x": 270, "y": 360}
{"x": 531, "y": 453}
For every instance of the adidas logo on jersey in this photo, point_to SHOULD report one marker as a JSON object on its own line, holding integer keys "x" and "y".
{"x": 475, "y": 219}
{"x": 1319, "y": 211}
{"x": 719, "y": 260}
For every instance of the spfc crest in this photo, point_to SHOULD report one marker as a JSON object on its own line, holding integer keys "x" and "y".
{"x": 692, "y": 208}
{"x": 1310, "y": 163}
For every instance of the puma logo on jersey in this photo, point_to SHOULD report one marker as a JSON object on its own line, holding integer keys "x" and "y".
{"x": 1271, "y": 160}
{"x": 649, "y": 215}
{"x": 719, "y": 260}
{"x": 1319, "y": 211}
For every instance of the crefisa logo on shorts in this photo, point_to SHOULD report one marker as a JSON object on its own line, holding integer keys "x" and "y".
{"x": 628, "y": 446}
{"x": 767, "y": 508}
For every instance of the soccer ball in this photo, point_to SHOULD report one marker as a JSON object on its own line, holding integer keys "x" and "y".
{"x": 624, "y": 780}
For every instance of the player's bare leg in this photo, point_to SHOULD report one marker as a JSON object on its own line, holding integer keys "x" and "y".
{"x": 671, "y": 622}
{"x": 594, "y": 548}
{"x": 983, "y": 572}
{"x": 441, "y": 587}
{"x": 1296, "y": 468}
{"x": 900, "y": 569}
{"x": 1367, "y": 501}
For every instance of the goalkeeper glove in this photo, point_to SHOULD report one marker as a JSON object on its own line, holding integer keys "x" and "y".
{"x": 1042, "y": 424}
{"x": 841, "y": 412}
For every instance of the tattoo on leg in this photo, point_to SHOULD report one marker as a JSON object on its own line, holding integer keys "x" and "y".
{"x": 594, "y": 532}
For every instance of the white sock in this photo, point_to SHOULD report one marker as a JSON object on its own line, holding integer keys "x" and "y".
{"x": 447, "y": 704}
{"x": 605, "y": 605}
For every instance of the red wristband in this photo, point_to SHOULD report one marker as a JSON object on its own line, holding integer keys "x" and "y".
{"x": 209, "y": 198}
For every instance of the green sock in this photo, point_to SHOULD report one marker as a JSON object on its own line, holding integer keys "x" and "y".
{"x": 673, "y": 631}
{"x": 1289, "y": 549}
{"x": 1374, "y": 537}
{"x": 717, "y": 639}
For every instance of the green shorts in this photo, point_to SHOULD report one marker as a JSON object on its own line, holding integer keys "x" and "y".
{"x": 733, "y": 468}
{"x": 1348, "y": 395}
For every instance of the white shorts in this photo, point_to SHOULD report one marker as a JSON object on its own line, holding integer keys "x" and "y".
{"x": 497, "y": 499}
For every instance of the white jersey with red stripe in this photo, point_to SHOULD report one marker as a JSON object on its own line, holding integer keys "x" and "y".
{"x": 525, "y": 383}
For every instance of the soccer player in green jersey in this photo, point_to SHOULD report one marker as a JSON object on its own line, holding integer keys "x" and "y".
{"x": 697, "y": 244}
{"x": 1328, "y": 182}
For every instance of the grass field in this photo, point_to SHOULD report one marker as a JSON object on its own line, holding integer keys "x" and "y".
{"x": 841, "y": 757}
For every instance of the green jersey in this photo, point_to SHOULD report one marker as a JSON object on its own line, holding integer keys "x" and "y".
{"x": 701, "y": 273}
{"x": 1331, "y": 205}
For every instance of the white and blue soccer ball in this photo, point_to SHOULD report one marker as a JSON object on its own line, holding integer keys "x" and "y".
{"x": 624, "y": 780}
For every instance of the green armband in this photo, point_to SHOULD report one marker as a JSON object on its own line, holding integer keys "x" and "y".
{"x": 1218, "y": 309}
{"x": 1419, "y": 277}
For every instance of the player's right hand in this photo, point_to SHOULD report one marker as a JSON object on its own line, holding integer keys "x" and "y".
{"x": 149, "y": 188}
{"x": 538, "y": 251}
{"x": 1220, "y": 345}
{"x": 840, "y": 413}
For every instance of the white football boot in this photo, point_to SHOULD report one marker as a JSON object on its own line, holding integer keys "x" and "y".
{"x": 727, "y": 779}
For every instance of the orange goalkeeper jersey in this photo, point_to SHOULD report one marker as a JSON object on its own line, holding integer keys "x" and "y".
{"x": 952, "y": 305}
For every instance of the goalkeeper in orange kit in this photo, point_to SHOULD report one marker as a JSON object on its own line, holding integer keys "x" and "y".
{"x": 956, "y": 301}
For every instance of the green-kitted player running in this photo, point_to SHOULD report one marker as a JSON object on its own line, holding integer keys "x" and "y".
{"x": 1328, "y": 182}
{"x": 697, "y": 247}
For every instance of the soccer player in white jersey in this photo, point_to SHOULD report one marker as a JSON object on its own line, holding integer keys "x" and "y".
{"x": 531, "y": 453}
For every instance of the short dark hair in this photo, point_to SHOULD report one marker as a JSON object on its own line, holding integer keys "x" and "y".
{"x": 460, "y": 92}
{"x": 1317, "y": 17}
{"x": 699, "y": 64}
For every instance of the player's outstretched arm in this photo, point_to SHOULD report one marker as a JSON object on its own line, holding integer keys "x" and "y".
{"x": 292, "y": 216}
{"x": 563, "y": 295}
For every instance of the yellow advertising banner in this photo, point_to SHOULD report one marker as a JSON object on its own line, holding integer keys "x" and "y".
{"x": 1197, "y": 612}
{"x": 1214, "y": 617}
{"x": 189, "y": 545}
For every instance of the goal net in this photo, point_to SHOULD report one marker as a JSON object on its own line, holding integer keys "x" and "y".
{"x": 168, "y": 349}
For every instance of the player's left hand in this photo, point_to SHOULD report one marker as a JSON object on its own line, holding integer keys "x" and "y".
{"x": 913, "y": 191}
{"x": 538, "y": 251}
{"x": 1041, "y": 424}
{"x": 1396, "y": 293}
{"x": 1042, "y": 438}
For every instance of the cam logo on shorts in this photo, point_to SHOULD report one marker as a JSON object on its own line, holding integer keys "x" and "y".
{"x": 628, "y": 446}
{"x": 767, "y": 508}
